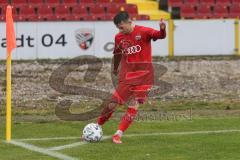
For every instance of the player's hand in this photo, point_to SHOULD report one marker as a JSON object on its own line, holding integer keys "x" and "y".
{"x": 115, "y": 72}
{"x": 162, "y": 25}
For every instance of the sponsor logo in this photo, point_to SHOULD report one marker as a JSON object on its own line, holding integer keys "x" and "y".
{"x": 132, "y": 49}
{"x": 84, "y": 38}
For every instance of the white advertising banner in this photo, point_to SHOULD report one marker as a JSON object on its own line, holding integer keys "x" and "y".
{"x": 68, "y": 39}
{"x": 41, "y": 40}
{"x": 204, "y": 37}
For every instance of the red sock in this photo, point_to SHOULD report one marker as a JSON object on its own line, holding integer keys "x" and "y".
{"x": 127, "y": 119}
{"x": 105, "y": 115}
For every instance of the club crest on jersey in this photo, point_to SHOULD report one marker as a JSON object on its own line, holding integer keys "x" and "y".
{"x": 84, "y": 38}
{"x": 125, "y": 44}
{"x": 138, "y": 37}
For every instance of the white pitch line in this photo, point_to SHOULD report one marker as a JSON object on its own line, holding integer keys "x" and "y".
{"x": 57, "y": 148}
{"x": 47, "y": 139}
{"x": 66, "y": 146}
{"x": 42, "y": 150}
{"x": 129, "y": 135}
{"x": 182, "y": 133}
{"x": 144, "y": 134}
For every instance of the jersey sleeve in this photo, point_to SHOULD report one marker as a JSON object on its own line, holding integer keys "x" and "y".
{"x": 153, "y": 34}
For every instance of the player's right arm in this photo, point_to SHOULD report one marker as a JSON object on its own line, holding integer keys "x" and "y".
{"x": 116, "y": 62}
{"x": 117, "y": 56}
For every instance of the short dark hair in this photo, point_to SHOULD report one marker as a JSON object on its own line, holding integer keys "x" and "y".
{"x": 121, "y": 16}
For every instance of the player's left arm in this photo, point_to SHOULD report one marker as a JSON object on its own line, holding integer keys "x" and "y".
{"x": 162, "y": 30}
{"x": 158, "y": 34}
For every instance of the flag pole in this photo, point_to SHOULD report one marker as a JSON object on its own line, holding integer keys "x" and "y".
{"x": 8, "y": 100}
{"x": 11, "y": 44}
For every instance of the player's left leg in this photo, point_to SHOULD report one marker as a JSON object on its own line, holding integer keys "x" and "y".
{"x": 126, "y": 121}
{"x": 140, "y": 96}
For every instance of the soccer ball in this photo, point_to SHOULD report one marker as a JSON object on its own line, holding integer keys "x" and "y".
{"x": 92, "y": 132}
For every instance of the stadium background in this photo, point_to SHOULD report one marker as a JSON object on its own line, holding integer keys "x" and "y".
{"x": 200, "y": 55}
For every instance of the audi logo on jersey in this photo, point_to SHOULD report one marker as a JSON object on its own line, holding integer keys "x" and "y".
{"x": 132, "y": 50}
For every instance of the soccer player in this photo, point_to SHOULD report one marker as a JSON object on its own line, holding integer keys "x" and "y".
{"x": 133, "y": 51}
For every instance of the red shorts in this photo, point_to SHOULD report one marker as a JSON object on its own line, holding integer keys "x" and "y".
{"x": 125, "y": 92}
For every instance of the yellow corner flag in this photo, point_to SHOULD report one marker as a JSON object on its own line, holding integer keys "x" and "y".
{"x": 11, "y": 44}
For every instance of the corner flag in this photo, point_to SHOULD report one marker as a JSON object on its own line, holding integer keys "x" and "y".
{"x": 11, "y": 44}
{"x": 10, "y": 33}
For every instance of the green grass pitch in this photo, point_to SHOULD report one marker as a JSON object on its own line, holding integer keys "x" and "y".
{"x": 183, "y": 140}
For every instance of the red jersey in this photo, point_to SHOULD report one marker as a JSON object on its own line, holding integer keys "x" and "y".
{"x": 136, "y": 60}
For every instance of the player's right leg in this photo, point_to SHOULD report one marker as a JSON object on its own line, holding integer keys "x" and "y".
{"x": 107, "y": 112}
{"x": 119, "y": 97}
